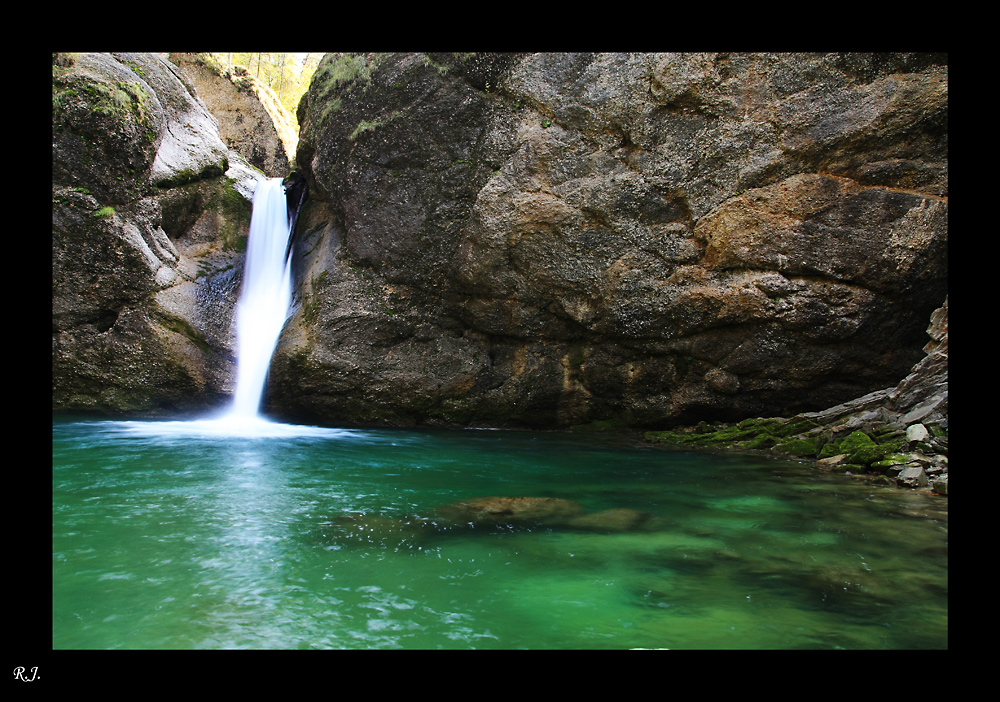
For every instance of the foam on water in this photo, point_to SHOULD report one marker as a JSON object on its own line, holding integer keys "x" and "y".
{"x": 227, "y": 425}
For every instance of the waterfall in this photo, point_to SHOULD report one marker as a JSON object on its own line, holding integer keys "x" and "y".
{"x": 265, "y": 297}
{"x": 261, "y": 312}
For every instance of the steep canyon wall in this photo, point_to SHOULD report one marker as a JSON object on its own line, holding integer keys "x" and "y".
{"x": 555, "y": 239}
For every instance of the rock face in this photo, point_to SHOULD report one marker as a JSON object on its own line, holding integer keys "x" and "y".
{"x": 894, "y": 435}
{"x": 149, "y": 223}
{"x": 251, "y": 120}
{"x": 549, "y": 240}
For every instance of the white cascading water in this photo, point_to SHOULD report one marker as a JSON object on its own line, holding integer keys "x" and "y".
{"x": 264, "y": 299}
{"x": 261, "y": 312}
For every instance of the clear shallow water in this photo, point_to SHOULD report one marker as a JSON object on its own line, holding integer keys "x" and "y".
{"x": 180, "y": 535}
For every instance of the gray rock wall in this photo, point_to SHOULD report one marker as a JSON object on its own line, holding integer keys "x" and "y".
{"x": 535, "y": 240}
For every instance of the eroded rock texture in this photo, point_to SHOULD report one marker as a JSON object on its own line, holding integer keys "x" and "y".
{"x": 556, "y": 239}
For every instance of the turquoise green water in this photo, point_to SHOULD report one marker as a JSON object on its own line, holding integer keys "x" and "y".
{"x": 164, "y": 539}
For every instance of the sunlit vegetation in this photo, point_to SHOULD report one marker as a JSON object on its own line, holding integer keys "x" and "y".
{"x": 287, "y": 74}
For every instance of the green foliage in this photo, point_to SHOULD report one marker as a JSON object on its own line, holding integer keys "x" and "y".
{"x": 105, "y": 213}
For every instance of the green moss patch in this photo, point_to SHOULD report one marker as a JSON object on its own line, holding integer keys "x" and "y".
{"x": 862, "y": 449}
{"x": 797, "y": 447}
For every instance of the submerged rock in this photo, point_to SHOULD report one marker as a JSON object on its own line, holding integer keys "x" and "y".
{"x": 374, "y": 530}
{"x": 504, "y": 511}
{"x": 612, "y": 520}
{"x": 523, "y": 512}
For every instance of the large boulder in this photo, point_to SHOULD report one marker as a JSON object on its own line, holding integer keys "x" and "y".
{"x": 558, "y": 238}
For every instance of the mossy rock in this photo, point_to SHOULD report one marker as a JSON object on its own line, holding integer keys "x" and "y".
{"x": 854, "y": 442}
{"x": 759, "y": 442}
{"x": 769, "y": 425}
{"x": 860, "y": 448}
{"x": 830, "y": 449}
{"x": 868, "y": 455}
{"x": 670, "y": 437}
{"x": 847, "y": 468}
{"x": 888, "y": 434}
{"x": 750, "y": 434}
{"x": 735, "y": 433}
{"x": 890, "y": 460}
{"x": 797, "y": 447}
{"x": 794, "y": 426}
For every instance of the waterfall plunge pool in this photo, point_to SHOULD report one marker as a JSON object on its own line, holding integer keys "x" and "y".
{"x": 180, "y": 535}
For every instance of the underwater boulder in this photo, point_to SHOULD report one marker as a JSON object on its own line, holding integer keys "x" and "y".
{"x": 501, "y": 511}
{"x": 612, "y": 520}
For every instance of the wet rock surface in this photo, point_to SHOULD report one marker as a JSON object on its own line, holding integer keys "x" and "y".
{"x": 513, "y": 511}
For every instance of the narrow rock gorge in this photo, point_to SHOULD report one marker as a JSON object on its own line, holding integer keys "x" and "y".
{"x": 511, "y": 240}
